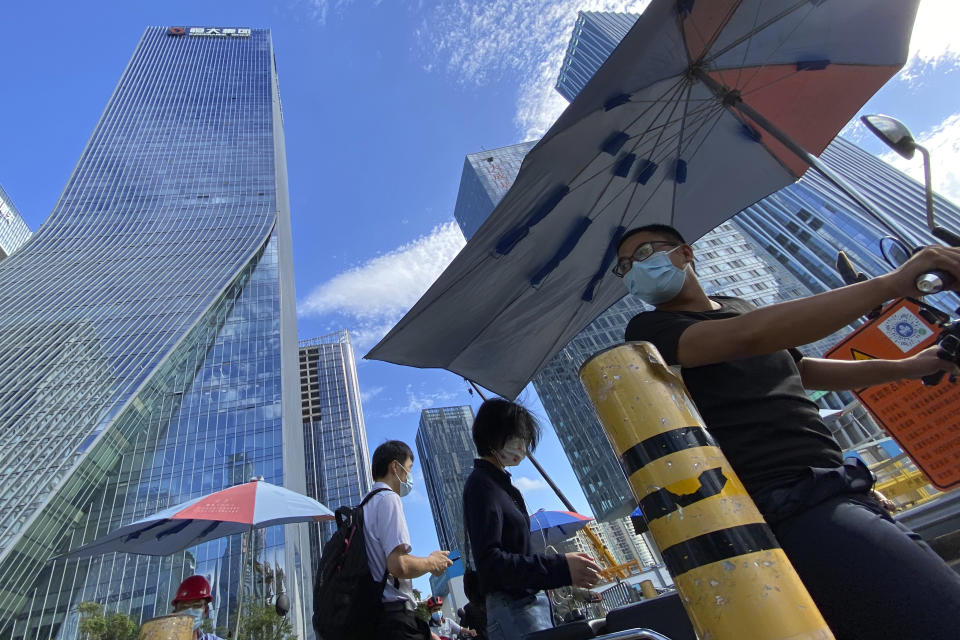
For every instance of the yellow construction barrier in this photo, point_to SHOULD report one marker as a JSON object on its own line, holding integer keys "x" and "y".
{"x": 172, "y": 627}
{"x": 735, "y": 581}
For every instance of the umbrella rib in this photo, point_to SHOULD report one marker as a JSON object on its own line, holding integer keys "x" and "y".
{"x": 703, "y": 139}
{"x": 746, "y": 49}
{"x": 761, "y": 67}
{"x": 672, "y": 90}
{"x": 673, "y": 196}
{"x": 639, "y": 140}
{"x": 756, "y": 30}
{"x": 708, "y": 42}
{"x": 714, "y": 116}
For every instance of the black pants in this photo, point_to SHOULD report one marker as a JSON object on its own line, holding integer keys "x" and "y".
{"x": 401, "y": 625}
{"x": 871, "y": 577}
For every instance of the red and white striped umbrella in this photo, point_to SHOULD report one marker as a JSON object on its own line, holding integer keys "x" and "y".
{"x": 235, "y": 510}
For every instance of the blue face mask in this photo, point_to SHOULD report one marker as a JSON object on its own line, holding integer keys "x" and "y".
{"x": 406, "y": 486}
{"x": 436, "y": 615}
{"x": 656, "y": 279}
{"x": 197, "y": 615}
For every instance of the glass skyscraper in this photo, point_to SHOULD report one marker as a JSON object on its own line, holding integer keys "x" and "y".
{"x": 334, "y": 434}
{"x": 149, "y": 351}
{"x": 446, "y": 451}
{"x": 13, "y": 230}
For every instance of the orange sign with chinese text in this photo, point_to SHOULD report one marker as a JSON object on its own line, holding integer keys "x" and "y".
{"x": 925, "y": 421}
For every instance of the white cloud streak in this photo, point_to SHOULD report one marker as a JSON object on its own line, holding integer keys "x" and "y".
{"x": 943, "y": 142}
{"x": 417, "y": 402}
{"x": 482, "y": 41}
{"x": 526, "y": 484}
{"x": 934, "y": 41}
{"x": 369, "y": 394}
{"x": 374, "y": 295}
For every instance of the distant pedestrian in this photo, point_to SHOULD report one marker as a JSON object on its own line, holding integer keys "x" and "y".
{"x": 388, "y": 544}
{"x": 512, "y": 577}
{"x": 443, "y": 627}
{"x": 193, "y": 599}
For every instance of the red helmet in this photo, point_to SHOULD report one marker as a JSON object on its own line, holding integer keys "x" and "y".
{"x": 193, "y": 588}
{"x": 434, "y": 602}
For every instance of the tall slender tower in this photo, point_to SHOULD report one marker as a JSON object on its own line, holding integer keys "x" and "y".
{"x": 446, "y": 451}
{"x": 334, "y": 434}
{"x": 149, "y": 351}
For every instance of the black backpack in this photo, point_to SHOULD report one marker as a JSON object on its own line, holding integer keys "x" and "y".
{"x": 346, "y": 598}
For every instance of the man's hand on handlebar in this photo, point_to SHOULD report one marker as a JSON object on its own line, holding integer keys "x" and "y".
{"x": 903, "y": 281}
{"x": 927, "y": 362}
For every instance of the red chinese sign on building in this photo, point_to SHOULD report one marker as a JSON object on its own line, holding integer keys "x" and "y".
{"x": 924, "y": 420}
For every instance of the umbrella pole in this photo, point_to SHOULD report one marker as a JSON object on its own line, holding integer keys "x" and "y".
{"x": 243, "y": 564}
{"x": 733, "y": 99}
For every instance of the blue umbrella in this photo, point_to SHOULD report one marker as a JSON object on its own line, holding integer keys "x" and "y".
{"x": 705, "y": 107}
{"x": 552, "y": 527}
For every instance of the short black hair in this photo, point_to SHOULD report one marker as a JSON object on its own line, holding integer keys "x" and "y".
{"x": 498, "y": 420}
{"x": 388, "y": 452}
{"x": 664, "y": 230}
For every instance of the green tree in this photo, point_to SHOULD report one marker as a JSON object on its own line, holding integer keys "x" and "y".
{"x": 422, "y": 612}
{"x": 261, "y": 622}
{"x": 96, "y": 625}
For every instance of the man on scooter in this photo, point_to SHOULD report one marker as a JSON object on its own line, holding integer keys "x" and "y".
{"x": 748, "y": 380}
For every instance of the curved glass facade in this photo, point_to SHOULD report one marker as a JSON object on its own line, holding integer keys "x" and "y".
{"x": 149, "y": 342}
{"x": 13, "y": 230}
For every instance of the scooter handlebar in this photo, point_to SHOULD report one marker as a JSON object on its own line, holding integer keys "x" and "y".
{"x": 934, "y": 282}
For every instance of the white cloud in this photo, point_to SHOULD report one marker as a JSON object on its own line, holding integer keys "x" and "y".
{"x": 370, "y": 393}
{"x": 934, "y": 41}
{"x": 526, "y": 484}
{"x": 484, "y": 40}
{"x": 943, "y": 142}
{"x": 418, "y": 401}
{"x": 374, "y": 295}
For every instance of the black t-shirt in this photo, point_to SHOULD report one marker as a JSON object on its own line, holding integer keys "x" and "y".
{"x": 755, "y": 408}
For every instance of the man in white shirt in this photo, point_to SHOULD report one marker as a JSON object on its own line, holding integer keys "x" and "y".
{"x": 388, "y": 544}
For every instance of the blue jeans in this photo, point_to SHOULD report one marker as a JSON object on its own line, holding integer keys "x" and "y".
{"x": 511, "y": 619}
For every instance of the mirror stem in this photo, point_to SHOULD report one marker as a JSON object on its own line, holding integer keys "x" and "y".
{"x": 928, "y": 185}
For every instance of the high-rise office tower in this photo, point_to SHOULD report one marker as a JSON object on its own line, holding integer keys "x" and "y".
{"x": 446, "y": 451}
{"x": 13, "y": 230}
{"x": 334, "y": 434}
{"x": 149, "y": 350}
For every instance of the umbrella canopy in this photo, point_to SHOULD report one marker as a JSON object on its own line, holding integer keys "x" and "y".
{"x": 552, "y": 527}
{"x": 659, "y": 135}
{"x": 224, "y": 513}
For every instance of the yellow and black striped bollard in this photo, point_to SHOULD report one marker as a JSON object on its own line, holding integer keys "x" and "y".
{"x": 735, "y": 581}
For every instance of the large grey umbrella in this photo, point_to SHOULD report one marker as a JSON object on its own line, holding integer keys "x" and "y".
{"x": 696, "y": 115}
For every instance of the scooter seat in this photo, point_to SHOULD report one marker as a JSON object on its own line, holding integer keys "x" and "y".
{"x": 577, "y": 630}
{"x": 664, "y": 614}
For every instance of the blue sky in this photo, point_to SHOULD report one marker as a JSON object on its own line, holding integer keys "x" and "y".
{"x": 382, "y": 100}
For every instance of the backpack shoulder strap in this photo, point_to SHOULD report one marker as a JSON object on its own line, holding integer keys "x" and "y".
{"x": 371, "y": 494}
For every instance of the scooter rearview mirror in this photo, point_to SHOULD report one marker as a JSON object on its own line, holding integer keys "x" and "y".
{"x": 282, "y": 605}
{"x": 894, "y": 251}
{"x": 892, "y": 132}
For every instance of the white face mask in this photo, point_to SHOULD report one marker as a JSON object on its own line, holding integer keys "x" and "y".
{"x": 513, "y": 452}
{"x": 197, "y": 615}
